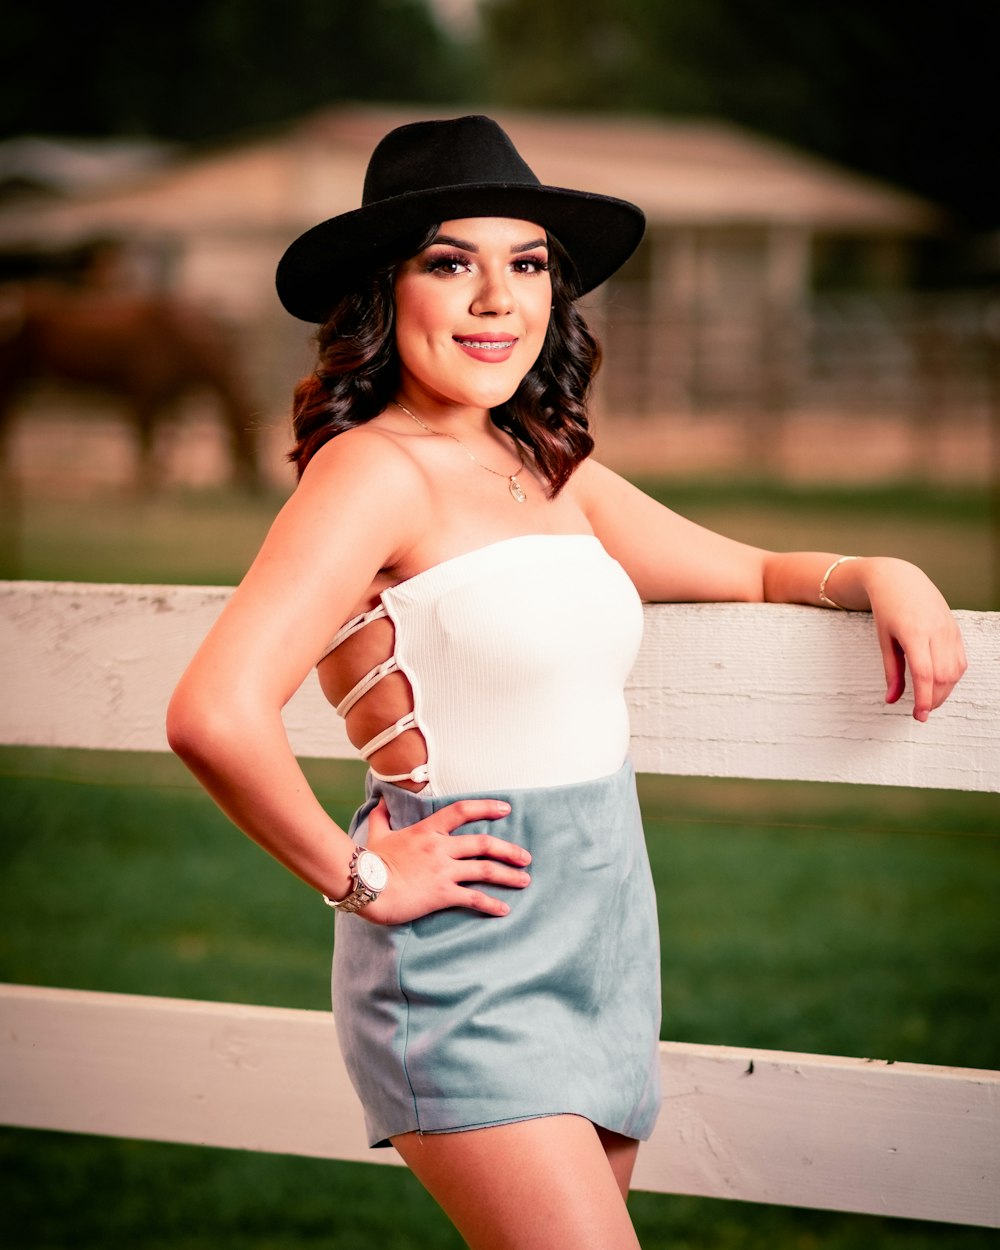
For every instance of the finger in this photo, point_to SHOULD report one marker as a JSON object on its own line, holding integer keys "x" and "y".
{"x": 486, "y": 846}
{"x": 894, "y": 664}
{"x": 942, "y": 689}
{"x": 944, "y": 684}
{"x": 479, "y": 900}
{"x": 922, "y": 680}
{"x": 466, "y": 811}
{"x": 491, "y": 872}
{"x": 949, "y": 670}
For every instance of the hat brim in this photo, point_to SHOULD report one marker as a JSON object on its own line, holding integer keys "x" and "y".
{"x": 598, "y": 232}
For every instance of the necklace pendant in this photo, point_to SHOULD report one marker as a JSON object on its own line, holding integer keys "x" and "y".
{"x": 516, "y": 489}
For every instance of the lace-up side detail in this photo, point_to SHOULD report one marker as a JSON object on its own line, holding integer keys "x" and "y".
{"x": 419, "y": 774}
{"x": 509, "y": 661}
{"x": 352, "y": 626}
{"x": 370, "y": 680}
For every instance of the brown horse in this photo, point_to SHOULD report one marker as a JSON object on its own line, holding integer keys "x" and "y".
{"x": 148, "y": 351}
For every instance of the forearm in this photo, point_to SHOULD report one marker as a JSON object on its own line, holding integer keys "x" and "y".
{"x": 247, "y": 766}
{"x": 913, "y": 623}
{"x": 805, "y": 576}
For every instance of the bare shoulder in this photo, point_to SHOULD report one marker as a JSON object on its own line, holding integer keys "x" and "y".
{"x": 361, "y": 501}
{"x": 358, "y": 457}
{"x": 367, "y": 471}
{"x": 590, "y": 474}
{"x": 597, "y": 490}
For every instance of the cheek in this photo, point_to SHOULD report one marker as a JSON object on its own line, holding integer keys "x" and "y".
{"x": 538, "y": 296}
{"x": 414, "y": 324}
{"x": 412, "y": 311}
{"x": 425, "y": 319}
{"x": 538, "y": 310}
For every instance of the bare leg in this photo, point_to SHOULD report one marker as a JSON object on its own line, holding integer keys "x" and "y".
{"x": 621, "y": 1153}
{"x": 542, "y": 1184}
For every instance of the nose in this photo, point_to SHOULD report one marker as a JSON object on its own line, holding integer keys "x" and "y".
{"x": 494, "y": 297}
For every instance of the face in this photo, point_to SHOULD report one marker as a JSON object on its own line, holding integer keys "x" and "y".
{"x": 472, "y": 310}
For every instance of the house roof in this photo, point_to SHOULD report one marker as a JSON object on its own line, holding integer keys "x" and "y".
{"x": 63, "y": 167}
{"x": 680, "y": 172}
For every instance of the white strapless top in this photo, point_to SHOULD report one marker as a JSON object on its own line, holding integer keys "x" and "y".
{"x": 517, "y": 654}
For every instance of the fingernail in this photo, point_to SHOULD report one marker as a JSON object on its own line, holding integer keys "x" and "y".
{"x": 503, "y": 808}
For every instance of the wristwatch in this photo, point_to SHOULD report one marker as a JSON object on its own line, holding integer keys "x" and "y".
{"x": 369, "y": 876}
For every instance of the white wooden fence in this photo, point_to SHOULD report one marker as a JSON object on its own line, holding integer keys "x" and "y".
{"x": 719, "y": 690}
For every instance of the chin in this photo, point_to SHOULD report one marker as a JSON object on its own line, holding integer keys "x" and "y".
{"x": 478, "y": 396}
{"x": 495, "y": 391}
{"x": 496, "y": 400}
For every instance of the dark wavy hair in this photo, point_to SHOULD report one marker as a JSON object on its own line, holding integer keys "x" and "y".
{"x": 357, "y": 373}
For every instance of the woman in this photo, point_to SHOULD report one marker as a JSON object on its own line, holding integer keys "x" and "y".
{"x": 469, "y": 583}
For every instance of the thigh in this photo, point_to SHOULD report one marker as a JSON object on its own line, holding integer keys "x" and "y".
{"x": 544, "y": 1184}
{"x": 621, "y": 1153}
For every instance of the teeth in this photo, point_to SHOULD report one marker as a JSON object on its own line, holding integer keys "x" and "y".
{"x": 483, "y": 345}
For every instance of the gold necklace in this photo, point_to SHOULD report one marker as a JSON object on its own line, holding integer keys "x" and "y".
{"x": 513, "y": 485}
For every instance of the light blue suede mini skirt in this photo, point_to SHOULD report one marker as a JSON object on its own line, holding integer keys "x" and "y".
{"x": 458, "y": 1020}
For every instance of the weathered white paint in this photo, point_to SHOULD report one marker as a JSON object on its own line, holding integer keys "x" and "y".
{"x": 718, "y": 690}
{"x": 761, "y": 1126}
{"x": 779, "y": 691}
{"x": 743, "y": 690}
{"x": 93, "y": 665}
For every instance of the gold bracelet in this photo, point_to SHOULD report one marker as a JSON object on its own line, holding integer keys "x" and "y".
{"x": 823, "y": 596}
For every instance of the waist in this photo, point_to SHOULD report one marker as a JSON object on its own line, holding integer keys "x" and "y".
{"x": 505, "y": 747}
{"x": 529, "y": 804}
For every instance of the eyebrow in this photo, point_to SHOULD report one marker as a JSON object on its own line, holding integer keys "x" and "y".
{"x": 450, "y": 241}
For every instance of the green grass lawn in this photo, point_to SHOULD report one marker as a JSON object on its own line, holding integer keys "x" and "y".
{"x": 823, "y": 919}
{"x": 209, "y": 537}
{"x": 836, "y": 919}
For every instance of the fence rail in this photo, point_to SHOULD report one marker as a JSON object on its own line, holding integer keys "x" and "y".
{"x": 763, "y": 1126}
{"x": 718, "y": 690}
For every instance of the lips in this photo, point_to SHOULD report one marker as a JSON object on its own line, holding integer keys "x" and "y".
{"x": 486, "y": 346}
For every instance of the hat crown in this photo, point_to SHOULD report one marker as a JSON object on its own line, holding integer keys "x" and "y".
{"x": 434, "y": 171}
{"x": 427, "y": 156}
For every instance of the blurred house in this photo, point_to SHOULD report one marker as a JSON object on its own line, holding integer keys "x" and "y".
{"x": 769, "y": 281}
{"x": 36, "y": 165}
{"x": 38, "y": 173}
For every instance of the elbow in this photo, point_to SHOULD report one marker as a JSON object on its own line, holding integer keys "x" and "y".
{"x": 208, "y": 728}
{"x": 196, "y": 731}
{"x": 185, "y": 726}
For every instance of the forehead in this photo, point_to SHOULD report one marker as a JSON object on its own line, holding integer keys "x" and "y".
{"x": 503, "y": 231}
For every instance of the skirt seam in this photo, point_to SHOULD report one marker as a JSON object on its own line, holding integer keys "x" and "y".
{"x": 406, "y": 1027}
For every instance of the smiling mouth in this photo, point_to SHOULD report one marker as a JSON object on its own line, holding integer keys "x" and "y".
{"x": 487, "y": 345}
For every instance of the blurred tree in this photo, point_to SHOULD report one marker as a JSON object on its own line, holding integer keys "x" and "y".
{"x": 902, "y": 90}
{"x": 204, "y": 69}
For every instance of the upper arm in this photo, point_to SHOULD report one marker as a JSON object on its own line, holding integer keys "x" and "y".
{"x": 669, "y": 558}
{"x": 353, "y": 513}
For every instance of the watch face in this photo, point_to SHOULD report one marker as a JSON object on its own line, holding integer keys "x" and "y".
{"x": 371, "y": 871}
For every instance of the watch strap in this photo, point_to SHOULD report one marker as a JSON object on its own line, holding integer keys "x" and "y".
{"x": 360, "y": 896}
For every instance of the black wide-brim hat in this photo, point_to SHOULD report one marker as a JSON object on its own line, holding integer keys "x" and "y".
{"x": 434, "y": 171}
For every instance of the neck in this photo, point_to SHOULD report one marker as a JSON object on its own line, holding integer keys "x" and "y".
{"x": 455, "y": 418}
{"x": 515, "y": 488}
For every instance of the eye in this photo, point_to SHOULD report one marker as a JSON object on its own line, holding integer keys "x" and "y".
{"x": 531, "y": 265}
{"x": 446, "y": 265}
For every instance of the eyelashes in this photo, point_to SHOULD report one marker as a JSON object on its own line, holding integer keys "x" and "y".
{"x": 453, "y": 264}
{"x": 536, "y": 264}
{"x": 445, "y": 264}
